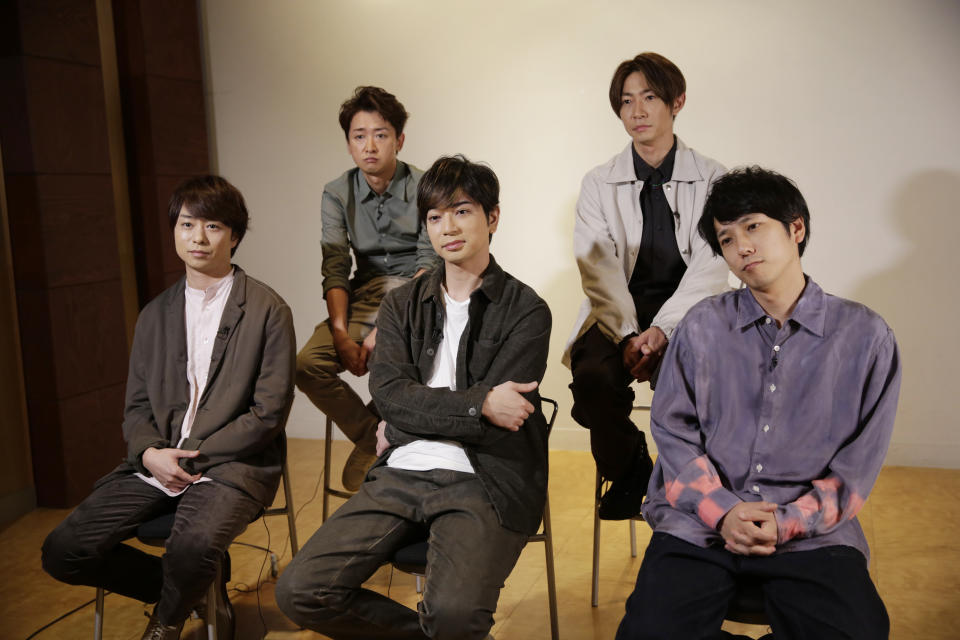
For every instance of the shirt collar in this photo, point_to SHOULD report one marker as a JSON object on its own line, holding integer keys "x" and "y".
{"x": 491, "y": 285}
{"x": 644, "y": 171}
{"x": 809, "y": 312}
{"x": 213, "y": 290}
{"x": 396, "y": 188}
{"x": 685, "y": 167}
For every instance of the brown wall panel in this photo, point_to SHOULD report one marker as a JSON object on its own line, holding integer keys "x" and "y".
{"x": 65, "y": 230}
{"x": 178, "y": 126}
{"x": 88, "y": 336}
{"x": 14, "y": 118}
{"x": 67, "y": 125}
{"x": 171, "y": 39}
{"x": 61, "y": 29}
{"x": 92, "y": 438}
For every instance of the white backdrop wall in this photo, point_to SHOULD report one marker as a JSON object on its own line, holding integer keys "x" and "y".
{"x": 856, "y": 101}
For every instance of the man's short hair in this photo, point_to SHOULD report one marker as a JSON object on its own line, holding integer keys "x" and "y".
{"x": 748, "y": 190}
{"x": 377, "y": 100}
{"x": 212, "y": 198}
{"x": 662, "y": 76}
{"x": 450, "y": 175}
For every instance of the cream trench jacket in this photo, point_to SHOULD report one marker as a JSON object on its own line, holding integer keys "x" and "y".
{"x": 606, "y": 240}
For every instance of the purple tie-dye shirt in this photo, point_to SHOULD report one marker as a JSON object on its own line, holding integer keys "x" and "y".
{"x": 800, "y": 416}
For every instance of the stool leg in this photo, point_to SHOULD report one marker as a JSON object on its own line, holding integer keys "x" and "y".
{"x": 98, "y": 616}
{"x": 551, "y": 574}
{"x": 326, "y": 470}
{"x": 291, "y": 516}
{"x": 633, "y": 539}
{"x": 594, "y": 600}
{"x": 211, "y": 621}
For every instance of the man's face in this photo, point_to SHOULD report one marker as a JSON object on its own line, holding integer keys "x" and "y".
{"x": 203, "y": 245}
{"x": 760, "y": 251}
{"x": 373, "y": 144}
{"x": 460, "y": 233}
{"x": 647, "y": 118}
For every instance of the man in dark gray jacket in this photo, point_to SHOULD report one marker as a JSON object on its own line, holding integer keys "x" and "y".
{"x": 463, "y": 446}
{"x": 208, "y": 393}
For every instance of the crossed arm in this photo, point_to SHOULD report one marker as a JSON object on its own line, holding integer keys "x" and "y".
{"x": 495, "y": 405}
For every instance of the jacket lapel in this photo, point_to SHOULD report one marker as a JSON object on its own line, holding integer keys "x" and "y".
{"x": 175, "y": 358}
{"x": 232, "y": 313}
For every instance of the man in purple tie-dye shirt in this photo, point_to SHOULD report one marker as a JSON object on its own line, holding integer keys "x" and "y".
{"x": 772, "y": 418}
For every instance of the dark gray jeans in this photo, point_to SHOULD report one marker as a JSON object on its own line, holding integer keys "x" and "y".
{"x": 469, "y": 559}
{"x": 86, "y": 548}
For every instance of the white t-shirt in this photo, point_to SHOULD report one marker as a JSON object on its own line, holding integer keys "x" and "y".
{"x": 424, "y": 455}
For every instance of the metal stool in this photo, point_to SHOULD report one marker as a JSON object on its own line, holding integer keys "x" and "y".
{"x": 595, "y": 592}
{"x": 412, "y": 559}
{"x": 327, "y": 490}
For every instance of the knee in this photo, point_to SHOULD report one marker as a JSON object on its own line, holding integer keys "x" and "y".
{"x": 594, "y": 378}
{"x": 312, "y": 369}
{"x": 304, "y": 601}
{"x": 455, "y": 618}
{"x": 191, "y": 555}
{"x": 62, "y": 557}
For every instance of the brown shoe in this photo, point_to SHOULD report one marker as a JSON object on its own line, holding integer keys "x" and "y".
{"x": 158, "y": 631}
{"x": 356, "y": 467}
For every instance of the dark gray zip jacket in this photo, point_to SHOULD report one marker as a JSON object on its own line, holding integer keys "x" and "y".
{"x": 506, "y": 339}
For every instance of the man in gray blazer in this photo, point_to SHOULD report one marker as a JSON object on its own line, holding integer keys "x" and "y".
{"x": 642, "y": 266}
{"x": 208, "y": 393}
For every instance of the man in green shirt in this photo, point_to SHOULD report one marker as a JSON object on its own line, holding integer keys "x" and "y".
{"x": 371, "y": 210}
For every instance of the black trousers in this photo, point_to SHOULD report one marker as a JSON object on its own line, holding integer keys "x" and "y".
{"x": 683, "y": 590}
{"x": 87, "y": 547}
{"x": 602, "y": 402}
{"x": 469, "y": 558}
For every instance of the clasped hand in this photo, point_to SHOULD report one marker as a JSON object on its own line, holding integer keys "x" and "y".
{"x": 642, "y": 353}
{"x": 164, "y": 465}
{"x": 353, "y": 356}
{"x": 750, "y": 529}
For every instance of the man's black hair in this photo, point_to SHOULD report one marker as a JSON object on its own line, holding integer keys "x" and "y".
{"x": 452, "y": 174}
{"x": 211, "y": 198}
{"x": 753, "y": 190}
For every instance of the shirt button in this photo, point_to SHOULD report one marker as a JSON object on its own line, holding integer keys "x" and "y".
{"x": 667, "y": 187}
{"x": 759, "y": 467}
{"x": 766, "y": 428}
{"x": 773, "y": 388}
{"x": 776, "y": 347}
{"x": 756, "y": 488}
{"x": 430, "y": 352}
{"x": 767, "y": 321}
{"x": 472, "y": 411}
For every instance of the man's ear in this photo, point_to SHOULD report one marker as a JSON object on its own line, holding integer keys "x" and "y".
{"x": 493, "y": 218}
{"x": 798, "y": 230}
{"x": 400, "y": 140}
{"x": 678, "y": 104}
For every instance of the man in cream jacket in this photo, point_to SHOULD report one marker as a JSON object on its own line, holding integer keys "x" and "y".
{"x": 642, "y": 266}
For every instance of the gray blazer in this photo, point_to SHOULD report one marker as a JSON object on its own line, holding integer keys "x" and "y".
{"x": 242, "y": 411}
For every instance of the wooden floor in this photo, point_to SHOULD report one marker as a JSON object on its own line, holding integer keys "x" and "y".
{"x": 911, "y": 520}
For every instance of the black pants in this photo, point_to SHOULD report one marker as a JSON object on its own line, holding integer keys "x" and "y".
{"x": 86, "y": 548}
{"x": 469, "y": 558}
{"x": 683, "y": 590}
{"x": 602, "y": 402}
